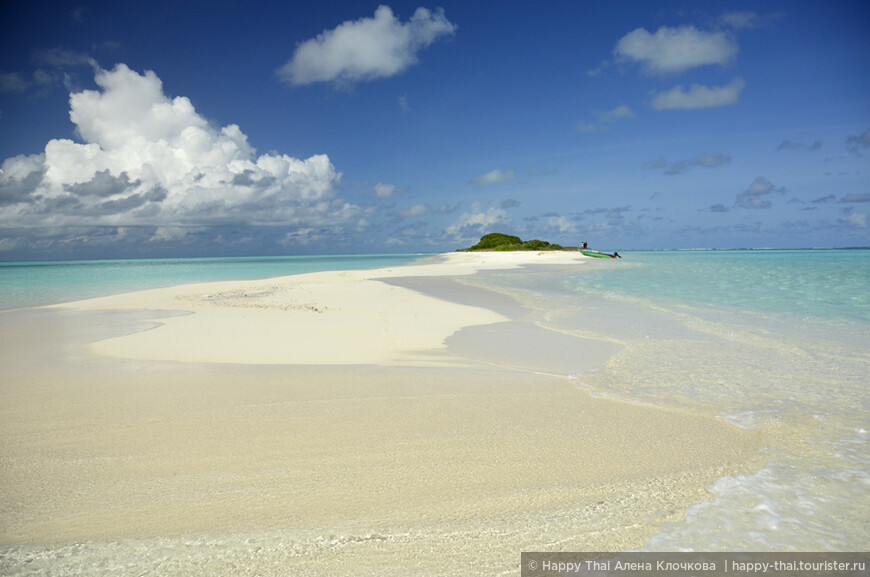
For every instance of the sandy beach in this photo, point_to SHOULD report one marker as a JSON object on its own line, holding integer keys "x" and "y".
{"x": 359, "y": 422}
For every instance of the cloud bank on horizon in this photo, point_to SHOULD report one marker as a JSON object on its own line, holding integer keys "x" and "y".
{"x": 666, "y": 153}
{"x": 149, "y": 161}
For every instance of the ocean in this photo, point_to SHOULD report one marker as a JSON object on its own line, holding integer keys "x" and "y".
{"x": 773, "y": 341}
{"x": 776, "y": 342}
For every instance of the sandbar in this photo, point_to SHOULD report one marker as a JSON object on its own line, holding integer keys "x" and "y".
{"x": 324, "y": 318}
{"x": 347, "y": 424}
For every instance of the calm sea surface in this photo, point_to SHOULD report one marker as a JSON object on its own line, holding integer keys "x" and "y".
{"x": 776, "y": 342}
{"x": 818, "y": 283}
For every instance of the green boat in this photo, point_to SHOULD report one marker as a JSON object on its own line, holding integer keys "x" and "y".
{"x": 599, "y": 254}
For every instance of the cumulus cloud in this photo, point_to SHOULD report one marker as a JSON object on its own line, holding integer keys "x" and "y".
{"x": 698, "y": 96}
{"x": 704, "y": 160}
{"x": 474, "y": 224}
{"x": 753, "y": 196}
{"x": 675, "y": 49}
{"x": 149, "y": 160}
{"x": 605, "y": 120}
{"x": 366, "y": 49}
{"x": 496, "y": 176}
{"x": 561, "y": 224}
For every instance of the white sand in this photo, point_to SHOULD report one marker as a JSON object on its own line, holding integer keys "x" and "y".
{"x": 317, "y": 465}
{"x": 325, "y": 318}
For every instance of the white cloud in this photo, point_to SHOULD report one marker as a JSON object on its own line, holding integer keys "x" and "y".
{"x": 60, "y": 58}
{"x": 709, "y": 160}
{"x": 752, "y": 197}
{"x": 496, "y": 176}
{"x": 855, "y": 220}
{"x": 596, "y": 72}
{"x": 472, "y": 225}
{"x": 699, "y": 96}
{"x": 148, "y": 160}
{"x": 366, "y": 49}
{"x": 675, "y": 49}
{"x": 418, "y": 210}
{"x": 617, "y": 113}
{"x": 387, "y": 190}
{"x": 605, "y": 120}
{"x": 561, "y": 224}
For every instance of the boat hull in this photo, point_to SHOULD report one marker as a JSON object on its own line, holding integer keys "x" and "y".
{"x": 597, "y": 254}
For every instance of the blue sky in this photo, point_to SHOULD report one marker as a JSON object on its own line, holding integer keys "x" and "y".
{"x": 223, "y": 128}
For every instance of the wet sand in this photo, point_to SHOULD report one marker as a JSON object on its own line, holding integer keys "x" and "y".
{"x": 438, "y": 460}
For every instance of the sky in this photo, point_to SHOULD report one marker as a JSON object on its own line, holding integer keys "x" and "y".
{"x": 224, "y": 128}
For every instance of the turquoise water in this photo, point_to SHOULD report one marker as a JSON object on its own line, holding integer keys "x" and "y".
{"x": 27, "y": 284}
{"x": 820, "y": 283}
{"x": 774, "y": 342}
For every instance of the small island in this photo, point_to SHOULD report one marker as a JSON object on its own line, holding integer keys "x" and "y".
{"x": 497, "y": 241}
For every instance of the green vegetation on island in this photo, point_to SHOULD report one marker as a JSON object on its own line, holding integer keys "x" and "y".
{"x": 498, "y": 241}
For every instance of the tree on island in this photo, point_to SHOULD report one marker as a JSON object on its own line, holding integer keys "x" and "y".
{"x": 503, "y": 242}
